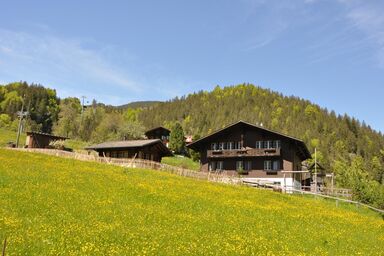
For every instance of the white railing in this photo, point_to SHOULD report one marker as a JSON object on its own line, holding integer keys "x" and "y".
{"x": 290, "y": 190}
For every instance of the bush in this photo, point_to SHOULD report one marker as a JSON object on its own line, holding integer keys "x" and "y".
{"x": 5, "y": 120}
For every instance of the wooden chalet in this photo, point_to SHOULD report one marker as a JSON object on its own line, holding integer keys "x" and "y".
{"x": 151, "y": 149}
{"x": 253, "y": 152}
{"x": 41, "y": 140}
{"x": 160, "y": 133}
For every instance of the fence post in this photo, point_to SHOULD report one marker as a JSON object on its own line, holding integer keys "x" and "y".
{"x": 337, "y": 203}
{"x": 4, "y": 246}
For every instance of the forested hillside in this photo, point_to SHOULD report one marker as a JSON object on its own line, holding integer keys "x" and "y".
{"x": 41, "y": 104}
{"x": 351, "y": 149}
{"x": 139, "y": 104}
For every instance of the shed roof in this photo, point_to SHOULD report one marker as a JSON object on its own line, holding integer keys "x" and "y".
{"x": 131, "y": 144}
{"x": 55, "y": 137}
{"x": 124, "y": 144}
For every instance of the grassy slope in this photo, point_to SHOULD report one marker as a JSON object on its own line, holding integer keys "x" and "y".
{"x": 184, "y": 162}
{"x": 8, "y": 135}
{"x": 51, "y": 205}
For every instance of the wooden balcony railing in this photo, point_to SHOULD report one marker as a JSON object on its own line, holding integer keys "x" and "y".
{"x": 243, "y": 152}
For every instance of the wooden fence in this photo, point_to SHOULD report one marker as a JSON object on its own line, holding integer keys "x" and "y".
{"x": 137, "y": 163}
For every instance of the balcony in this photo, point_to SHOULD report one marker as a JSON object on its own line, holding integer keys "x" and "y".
{"x": 246, "y": 152}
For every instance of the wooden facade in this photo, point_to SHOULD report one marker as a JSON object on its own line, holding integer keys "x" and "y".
{"x": 41, "y": 140}
{"x": 160, "y": 133}
{"x": 251, "y": 151}
{"x": 151, "y": 149}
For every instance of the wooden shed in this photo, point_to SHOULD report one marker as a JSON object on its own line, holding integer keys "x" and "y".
{"x": 41, "y": 140}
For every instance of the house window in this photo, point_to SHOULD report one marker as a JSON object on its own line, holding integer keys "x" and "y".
{"x": 268, "y": 144}
{"x": 247, "y": 165}
{"x": 222, "y": 145}
{"x": 212, "y": 166}
{"x": 213, "y": 146}
{"x": 259, "y": 144}
{"x": 230, "y": 145}
{"x": 237, "y": 145}
{"x": 272, "y": 165}
{"x": 276, "y": 144}
{"x": 267, "y": 165}
{"x": 276, "y": 165}
{"x": 219, "y": 165}
{"x": 239, "y": 165}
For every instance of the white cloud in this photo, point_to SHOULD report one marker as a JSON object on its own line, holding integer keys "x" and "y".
{"x": 368, "y": 18}
{"x": 57, "y": 60}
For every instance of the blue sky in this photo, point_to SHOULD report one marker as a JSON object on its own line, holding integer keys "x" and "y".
{"x": 328, "y": 51}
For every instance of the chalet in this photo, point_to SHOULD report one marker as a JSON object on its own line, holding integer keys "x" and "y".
{"x": 255, "y": 153}
{"x": 151, "y": 149}
{"x": 160, "y": 133}
{"x": 41, "y": 140}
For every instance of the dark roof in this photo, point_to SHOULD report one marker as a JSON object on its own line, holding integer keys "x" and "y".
{"x": 196, "y": 144}
{"x": 124, "y": 144}
{"x": 157, "y": 128}
{"x": 55, "y": 137}
{"x": 130, "y": 144}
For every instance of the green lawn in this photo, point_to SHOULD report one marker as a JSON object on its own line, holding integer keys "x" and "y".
{"x": 7, "y": 135}
{"x": 55, "y": 206}
{"x": 76, "y": 145}
{"x": 184, "y": 162}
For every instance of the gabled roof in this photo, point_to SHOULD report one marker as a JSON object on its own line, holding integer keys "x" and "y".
{"x": 124, "y": 144}
{"x": 305, "y": 152}
{"x": 129, "y": 144}
{"x": 157, "y": 128}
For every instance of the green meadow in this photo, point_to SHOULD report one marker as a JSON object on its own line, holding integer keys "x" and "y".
{"x": 7, "y": 135}
{"x": 55, "y": 206}
{"x": 181, "y": 161}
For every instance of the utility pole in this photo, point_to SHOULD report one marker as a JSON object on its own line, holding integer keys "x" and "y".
{"x": 21, "y": 114}
{"x": 315, "y": 170}
{"x": 82, "y": 108}
{"x": 82, "y": 104}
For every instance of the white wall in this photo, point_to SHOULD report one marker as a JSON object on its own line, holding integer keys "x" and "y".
{"x": 289, "y": 182}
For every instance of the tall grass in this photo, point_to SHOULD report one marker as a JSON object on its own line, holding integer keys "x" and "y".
{"x": 55, "y": 206}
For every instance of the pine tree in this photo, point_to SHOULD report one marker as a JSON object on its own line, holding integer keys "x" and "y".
{"x": 177, "y": 140}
